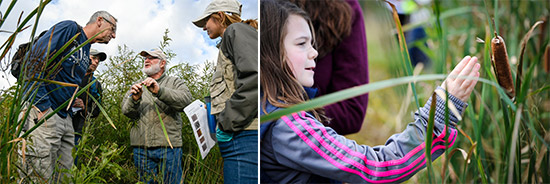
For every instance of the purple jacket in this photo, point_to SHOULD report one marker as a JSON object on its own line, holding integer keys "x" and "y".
{"x": 299, "y": 149}
{"x": 346, "y": 67}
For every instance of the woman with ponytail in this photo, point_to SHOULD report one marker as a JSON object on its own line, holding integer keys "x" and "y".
{"x": 234, "y": 88}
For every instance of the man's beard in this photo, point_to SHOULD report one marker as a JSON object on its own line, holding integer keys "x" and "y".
{"x": 154, "y": 69}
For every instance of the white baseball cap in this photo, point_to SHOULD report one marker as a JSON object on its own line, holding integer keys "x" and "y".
{"x": 227, "y": 6}
{"x": 155, "y": 53}
{"x": 101, "y": 55}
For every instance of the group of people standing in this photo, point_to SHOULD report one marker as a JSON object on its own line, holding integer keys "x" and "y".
{"x": 308, "y": 49}
{"x": 233, "y": 91}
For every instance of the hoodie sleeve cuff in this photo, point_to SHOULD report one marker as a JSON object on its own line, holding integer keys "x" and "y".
{"x": 456, "y": 107}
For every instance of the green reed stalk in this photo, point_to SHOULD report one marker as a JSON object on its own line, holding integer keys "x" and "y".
{"x": 429, "y": 137}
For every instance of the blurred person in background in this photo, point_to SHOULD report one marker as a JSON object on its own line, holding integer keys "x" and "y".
{"x": 411, "y": 12}
{"x": 343, "y": 61}
{"x": 84, "y": 107}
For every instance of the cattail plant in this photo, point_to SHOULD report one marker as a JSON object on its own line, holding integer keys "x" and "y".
{"x": 499, "y": 58}
{"x": 546, "y": 61}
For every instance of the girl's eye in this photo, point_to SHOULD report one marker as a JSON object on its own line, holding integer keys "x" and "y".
{"x": 302, "y": 43}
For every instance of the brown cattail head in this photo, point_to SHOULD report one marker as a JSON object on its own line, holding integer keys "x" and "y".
{"x": 546, "y": 61}
{"x": 502, "y": 67}
{"x": 542, "y": 35}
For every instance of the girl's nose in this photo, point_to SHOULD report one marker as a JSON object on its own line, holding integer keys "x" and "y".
{"x": 313, "y": 53}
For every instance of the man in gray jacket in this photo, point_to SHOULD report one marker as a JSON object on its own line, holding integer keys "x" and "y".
{"x": 169, "y": 95}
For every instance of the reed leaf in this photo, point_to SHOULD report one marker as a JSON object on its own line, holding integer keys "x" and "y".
{"x": 444, "y": 15}
{"x": 54, "y": 82}
{"x": 547, "y": 87}
{"x": 100, "y": 106}
{"x": 448, "y": 158}
{"x": 8, "y": 11}
{"x": 513, "y": 146}
{"x": 429, "y": 137}
{"x": 405, "y": 58}
{"x": 467, "y": 160}
{"x": 366, "y": 88}
{"x": 522, "y": 52}
{"x": 162, "y": 124}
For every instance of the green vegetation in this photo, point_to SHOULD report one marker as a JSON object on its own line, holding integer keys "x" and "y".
{"x": 501, "y": 139}
{"x": 105, "y": 154}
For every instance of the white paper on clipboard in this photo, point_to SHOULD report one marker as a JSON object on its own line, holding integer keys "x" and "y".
{"x": 196, "y": 112}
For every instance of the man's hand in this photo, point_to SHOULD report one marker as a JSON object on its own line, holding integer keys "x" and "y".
{"x": 40, "y": 113}
{"x": 461, "y": 87}
{"x": 151, "y": 84}
{"x": 136, "y": 91}
{"x": 78, "y": 103}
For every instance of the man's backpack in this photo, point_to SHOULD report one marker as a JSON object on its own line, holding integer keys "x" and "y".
{"x": 19, "y": 55}
{"x": 17, "y": 60}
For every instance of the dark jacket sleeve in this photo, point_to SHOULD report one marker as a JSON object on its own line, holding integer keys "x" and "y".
{"x": 62, "y": 33}
{"x": 94, "y": 108}
{"x": 91, "y": 106}
{"x": 240, "y": 45}
{"x": 349, "y": 69}
{"x": 302, "y": 143}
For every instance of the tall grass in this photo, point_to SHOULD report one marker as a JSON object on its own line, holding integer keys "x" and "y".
{"x": 502, "y": 139}
{"x": 104, "y": 152}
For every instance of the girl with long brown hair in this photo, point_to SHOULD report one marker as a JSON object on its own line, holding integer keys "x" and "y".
{"x": 298, "y": 148}
{"x": 342, "y": 63}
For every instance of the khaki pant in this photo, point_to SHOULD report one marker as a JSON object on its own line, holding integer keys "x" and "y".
{"x": 49, "y": 148}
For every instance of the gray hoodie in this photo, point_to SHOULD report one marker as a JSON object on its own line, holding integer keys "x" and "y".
{"x": 299, "y": 149}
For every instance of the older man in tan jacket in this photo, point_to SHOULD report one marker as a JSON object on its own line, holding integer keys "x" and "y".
{"x": 169, "y": 95}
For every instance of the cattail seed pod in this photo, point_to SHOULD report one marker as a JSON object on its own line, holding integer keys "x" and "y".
{"x": 546, "y": 60}
{"x": 502, "y": 67}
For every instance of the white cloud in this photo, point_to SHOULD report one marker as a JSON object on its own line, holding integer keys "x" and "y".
{"x": 141, "y": 25}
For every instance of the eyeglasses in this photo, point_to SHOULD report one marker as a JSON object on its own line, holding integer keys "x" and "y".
{"x": 151, "y": 57}
{"x": 114, "y": 26}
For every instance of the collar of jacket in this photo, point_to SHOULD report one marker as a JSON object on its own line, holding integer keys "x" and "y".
{"x": 311, "y": 92}
{"x": 161, "y": 77}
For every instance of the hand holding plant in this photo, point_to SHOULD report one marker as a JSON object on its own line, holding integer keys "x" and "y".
{"x": 462, "y": 87}
{"x": 78, "y": 103}
{"x": 151, "y": 84}
{"x": 136, "y": 91}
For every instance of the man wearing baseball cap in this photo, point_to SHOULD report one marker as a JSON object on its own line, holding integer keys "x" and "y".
{"x": 169, "y": 95}
{"x": 83, "y": 104}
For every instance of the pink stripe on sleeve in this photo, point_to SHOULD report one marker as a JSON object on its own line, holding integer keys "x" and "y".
{"x": 384, "y": 163}
{"x": 355, "y": 163}
{"x": 340, "y": 166}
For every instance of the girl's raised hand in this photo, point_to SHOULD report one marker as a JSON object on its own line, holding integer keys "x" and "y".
{"x": 462, "y": 87}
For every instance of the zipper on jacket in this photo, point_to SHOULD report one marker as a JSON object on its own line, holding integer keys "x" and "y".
{"x": 76, "y": 61}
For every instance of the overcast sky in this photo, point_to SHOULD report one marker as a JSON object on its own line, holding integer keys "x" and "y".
{"x": 141, "y": 25}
